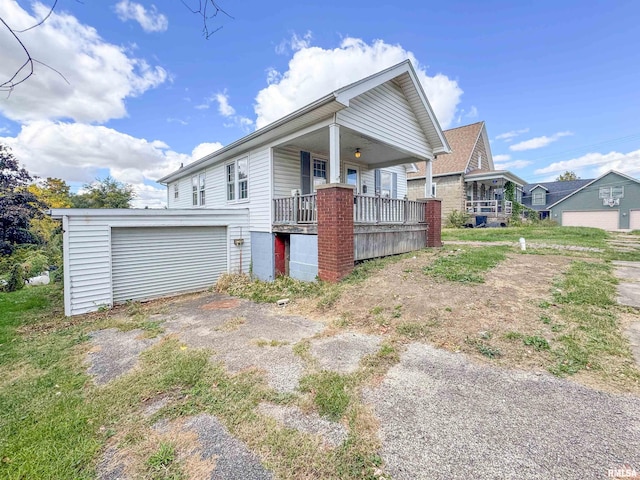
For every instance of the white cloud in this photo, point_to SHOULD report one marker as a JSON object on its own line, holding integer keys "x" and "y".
{"x": 295, "y": 43}
{"x": 205, "y": 149}
{"x": 538, "y": 142}
{"x": 78, "y": 152}
{"x": 501, "y": 158}
{"x": 100, "y": 75}
{"x": 229, "y": 112}
{"x": 508, "y": 136}
{"x": 472, "y": 113}
{"x": 149, "y": 20}
{"x": 595, "y": 164}
{"x": 512, "y": 165}
{"x": 314, "y": 72}
{"x": 224, "y": 108}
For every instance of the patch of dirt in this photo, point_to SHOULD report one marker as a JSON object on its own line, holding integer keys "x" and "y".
{"x": 227, "y": 303}
{"x": 514, "y": 302}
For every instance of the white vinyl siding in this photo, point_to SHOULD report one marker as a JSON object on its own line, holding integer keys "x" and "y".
{"x": 605, "y": 219}
{"x": 158, "y": 261}
{"x": 88, "y": 271}
{"x": 260, "y": 190}
{"x": 286, "y": 172}
{"x": 88, "y": 250}
{"x": 384, "y": 114}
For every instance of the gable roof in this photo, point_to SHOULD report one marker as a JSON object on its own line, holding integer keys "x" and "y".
{"x": 590, "y": 182}
{"x": 462, "y": 141}
{"x": 326, "y": 106}
{"x": 539, "y": 185}
{"x": 556, "y": 191}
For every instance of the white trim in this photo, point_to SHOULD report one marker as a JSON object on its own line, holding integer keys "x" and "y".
{"x": 66, "y": 274}
{"x": 61, "y": 213}
{"x": 356, "y": 167}
{"x": 334, "y": 153}
{"x": 538, "y": 186}
{"x": 110, "y": 268}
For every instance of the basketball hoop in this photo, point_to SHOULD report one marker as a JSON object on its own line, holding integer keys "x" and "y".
{"x": 612, "y": 202}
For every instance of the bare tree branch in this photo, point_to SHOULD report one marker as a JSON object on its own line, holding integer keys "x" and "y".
{"x": 207, "y": 9}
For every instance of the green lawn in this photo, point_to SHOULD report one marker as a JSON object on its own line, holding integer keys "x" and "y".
{"x": 581, "y": 236}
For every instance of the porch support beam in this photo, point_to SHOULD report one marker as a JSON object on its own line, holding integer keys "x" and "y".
{"x": 334, "y": 153}
{"x": 428, "y": 180}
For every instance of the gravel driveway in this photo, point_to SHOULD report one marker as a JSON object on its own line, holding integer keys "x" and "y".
{"x": 442, "y": 417}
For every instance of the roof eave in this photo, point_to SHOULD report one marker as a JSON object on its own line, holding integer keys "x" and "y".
{"x": 229, "y": 149}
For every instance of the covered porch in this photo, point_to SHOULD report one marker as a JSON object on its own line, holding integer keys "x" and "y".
{"x": 487, "y": 196}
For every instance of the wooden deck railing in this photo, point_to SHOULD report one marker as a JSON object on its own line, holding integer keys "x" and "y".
{"x": 490, "y": 208}
{"x": 302, "y": 209}
{"x": 294, "y": 210}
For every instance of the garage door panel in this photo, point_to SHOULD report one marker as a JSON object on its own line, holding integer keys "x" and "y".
{"x": 605, "y": 219}
{"x": 150, "y": 262}
{"x": 634, "y": 219}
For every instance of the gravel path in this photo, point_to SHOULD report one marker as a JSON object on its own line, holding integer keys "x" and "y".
{"x": 115, "y": 353}
{"x": 342, "y": 353}
{"x": 442, "y": 417}
{"x": 233, "y": 459}
{"x": 332, "y": 433}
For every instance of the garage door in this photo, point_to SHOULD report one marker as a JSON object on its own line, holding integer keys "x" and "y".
{"x": 152, "y": 262}
{"x": 605, "y": 219}
{"x": 634, "y": 219}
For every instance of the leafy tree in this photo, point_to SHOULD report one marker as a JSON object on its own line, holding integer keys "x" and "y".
{"x": 18, "y": 206}
{"x": 567, "y": 176}
{"x": 107, "y": 193}
{"x": 52, "y": 193}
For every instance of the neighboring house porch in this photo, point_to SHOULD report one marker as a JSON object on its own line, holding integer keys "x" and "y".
{"x": 485, "y": 196}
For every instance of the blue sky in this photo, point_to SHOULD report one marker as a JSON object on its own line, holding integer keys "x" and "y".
{"x": 555, "y": 82}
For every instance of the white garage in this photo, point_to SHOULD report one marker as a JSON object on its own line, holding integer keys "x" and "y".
{"x": 634, "y": 219}
{"x": 605, "y": 219}
{"x": 111, "y": 256}
{"x": 151, "y": 262}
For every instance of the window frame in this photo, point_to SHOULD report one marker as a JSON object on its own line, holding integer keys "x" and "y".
{"x": 322, "y": 168}
{"x": 383, "y": 191}
{"x": 536, "y": 193}
{"x": 176, "y": 191}
{"x": 202, "y": 184}
{"x": 194, "y": 190}
{"x": 434, "y": 189}
{"x": 609, "y": 192}
{"x": 237, "y": 188}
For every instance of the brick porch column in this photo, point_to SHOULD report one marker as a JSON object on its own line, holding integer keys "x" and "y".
{"x": 433, "y": 217}
{"x": 335, "y": 231}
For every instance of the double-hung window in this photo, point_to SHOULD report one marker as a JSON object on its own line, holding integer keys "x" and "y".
{"x": 612, "y": 192}
{"x": 386, "y": 184}
{"x": 237, "y": 174}
{"x": 538, "y": 197}
{"x": 319, "y": 172}
{"x": 198, "y": 184}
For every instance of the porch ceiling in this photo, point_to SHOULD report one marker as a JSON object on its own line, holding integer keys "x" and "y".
{"x": 372, "y": 152}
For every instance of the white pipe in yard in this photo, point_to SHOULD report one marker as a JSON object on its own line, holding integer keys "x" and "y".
{"x": 523, "y": 244}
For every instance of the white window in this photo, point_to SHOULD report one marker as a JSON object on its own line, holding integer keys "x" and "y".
{"x": 319, "y": 172}
{"x": 433, "y": 189}
{"x": 238, "y": 180}
{"x": 198, "y": 189}
{"x": 612, "y": 192}
{"x": 479, "y": 161}
{"x": 538, "y": 197}
{"x": 176, "y": 191}
{"x": 201, "y": 179}
{"x": 194, "y": 190}
{"x": 386, "y": 183}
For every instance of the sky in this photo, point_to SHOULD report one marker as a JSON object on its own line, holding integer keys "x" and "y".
{"x": 132, "y": 89}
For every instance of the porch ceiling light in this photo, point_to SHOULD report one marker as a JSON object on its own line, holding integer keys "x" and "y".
{"x": 357, "y": 154}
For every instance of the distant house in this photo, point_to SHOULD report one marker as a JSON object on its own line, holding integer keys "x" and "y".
{"x": 539, "y": 196}
{"x": 610, "y": 202}
{"x": 466, "y": 179}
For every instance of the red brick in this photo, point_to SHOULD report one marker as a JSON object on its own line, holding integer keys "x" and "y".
{"x": 433, "y": 217}
{"x": 335, "y": 232}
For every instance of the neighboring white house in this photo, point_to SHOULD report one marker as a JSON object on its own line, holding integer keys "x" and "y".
{"x": 257, "y": 197}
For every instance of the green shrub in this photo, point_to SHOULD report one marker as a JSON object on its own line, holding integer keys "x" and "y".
{"x": 16, "y": 278}
{"x": 457, "y": 219}
{"x": 35, "y": 263}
